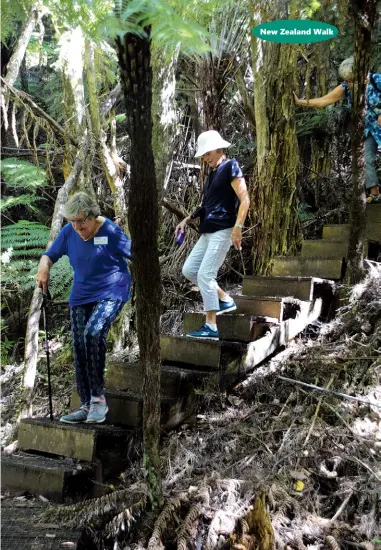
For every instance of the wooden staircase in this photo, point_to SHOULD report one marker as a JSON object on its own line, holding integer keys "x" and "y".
{"x": 60, "y": 460}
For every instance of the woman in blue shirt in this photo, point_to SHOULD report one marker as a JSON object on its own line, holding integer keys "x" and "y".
{"x": 372, "y": 119}
{"x": 97, "y": 250}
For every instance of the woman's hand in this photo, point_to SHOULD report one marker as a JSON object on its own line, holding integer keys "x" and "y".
{"x": 379, "y": 120}
{"x": 181, "y": 226}
{"x": 297, "y": 100}
{"x": 237, "y": 237}
{"x": 42, "y": 277}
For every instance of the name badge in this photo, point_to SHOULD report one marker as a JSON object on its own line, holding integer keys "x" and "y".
{"x": 100, "y": 240}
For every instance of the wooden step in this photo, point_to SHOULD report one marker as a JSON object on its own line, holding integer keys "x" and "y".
{"x": 81, "y": 441}
{"x": 260, "y": 306}
{"x": 324, "y": 249}
{"x": 53, "y": 478}
{"x": 373, "y": 213}
{"x": 336, "y": 232}
{"x": 231, "y": 326}
{"x": 324, "y": 268}
{"x": 180, "y": 349}
{"x": 373, "y": 231}
{"x": 126, "y": 408}
{"x": 279, "y": 335}
{"x": 300, "y": 288}
{"x": 175, "y": 381}
{"x": 341, "y": 232}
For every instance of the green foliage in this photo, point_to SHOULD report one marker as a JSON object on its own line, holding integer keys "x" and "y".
{"x": 17, "y": 175}
{"x": 22, "y": 174}
{"x": 6, "y": 203}
{"x": 6, "y": 344}
{"x": 305, "y": 212}
{"x": 307, "y": 122}
{"x": 61, "y": 279}
{"x": 22, "y": 245}
{"x": 168, "y": 25}
{"x": 13, "y": 13}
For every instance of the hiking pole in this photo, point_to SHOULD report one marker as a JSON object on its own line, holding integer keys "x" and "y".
{"x": 45, "y": 297}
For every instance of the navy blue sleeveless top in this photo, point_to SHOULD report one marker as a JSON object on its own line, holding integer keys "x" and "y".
{"x": 220, "y": 204}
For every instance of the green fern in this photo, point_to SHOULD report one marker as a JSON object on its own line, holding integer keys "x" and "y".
{"x": 21, "y": 174}
{"x": 61, "y": 279}
{"x": 24, "y": 237}
{"x": 22, "y": 245}
{"x": 6, "y": 203}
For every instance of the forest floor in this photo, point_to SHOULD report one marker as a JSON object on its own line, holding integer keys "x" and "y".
{"x": 269, "y": 461}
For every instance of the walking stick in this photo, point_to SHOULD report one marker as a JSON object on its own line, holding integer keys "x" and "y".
{"x": 46, "y": 297}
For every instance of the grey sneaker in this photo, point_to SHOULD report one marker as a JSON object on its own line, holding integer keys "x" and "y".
{"x": 76, "y": 416}
{"x": 97, "y": 412}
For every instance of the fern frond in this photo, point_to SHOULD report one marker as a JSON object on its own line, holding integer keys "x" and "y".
{"x": 6, "y": 203}
{"x": 25, "y": 235}
{"x": 61, "y": 279}
{"x": 22, "y": 174}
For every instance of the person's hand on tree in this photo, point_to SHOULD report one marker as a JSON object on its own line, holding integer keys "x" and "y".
{"x": 297, "y": 100}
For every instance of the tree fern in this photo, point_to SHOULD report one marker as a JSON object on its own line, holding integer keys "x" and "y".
{"x": 21, "y": 174}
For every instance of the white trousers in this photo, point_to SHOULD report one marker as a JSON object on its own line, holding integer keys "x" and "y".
{"x": 203, "y": 263}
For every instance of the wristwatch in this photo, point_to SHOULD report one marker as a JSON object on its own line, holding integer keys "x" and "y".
{"x": 240, "y": 225}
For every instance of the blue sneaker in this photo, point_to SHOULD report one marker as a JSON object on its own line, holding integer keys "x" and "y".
{"x": 227, "y": 306}
{"x": 204, "y": 332}
{"x": 76, "y": 417}
{"x": 98, "y": 411}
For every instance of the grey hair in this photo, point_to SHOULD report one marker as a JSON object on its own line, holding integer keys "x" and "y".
{"x": 346, "y": 68}
{"x": 81, "y": 202}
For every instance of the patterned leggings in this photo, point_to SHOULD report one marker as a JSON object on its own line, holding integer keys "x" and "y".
{"x": 90, "y": 324}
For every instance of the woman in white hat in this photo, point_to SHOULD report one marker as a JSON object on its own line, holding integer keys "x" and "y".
{"x": 222, "y": 213}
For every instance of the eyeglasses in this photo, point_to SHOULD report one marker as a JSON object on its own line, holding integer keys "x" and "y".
{"x": 79, "y": 222}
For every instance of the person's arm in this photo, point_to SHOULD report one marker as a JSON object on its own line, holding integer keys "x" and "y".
{"x": 379, "y": 120}
{"x": 240, "y": 189}
{"x": 332, "y": 97}
{"x": 123, "y": 243}
{"x": 181, "y": 226}
{"x": 43, "y": 272}
{"x": 56, "y": 250}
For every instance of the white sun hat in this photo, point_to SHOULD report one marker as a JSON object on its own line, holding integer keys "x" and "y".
{"x": 210, "y": 141}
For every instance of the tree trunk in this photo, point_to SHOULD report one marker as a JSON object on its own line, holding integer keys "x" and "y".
{"x": 113, "y": 165}
{"x": 73, "y": 96}
{"x": 31, "y": 337}
{"x": 364, "y": 13}
{"x": 14, "y": 63}
{"x": 164, "y": 115}
{"x": 143, "y": 213}
{"x": 274, "y": 191}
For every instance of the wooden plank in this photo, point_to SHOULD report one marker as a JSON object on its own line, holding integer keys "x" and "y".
{"x": 179, "y": 349}
{"x": 259, "y": 306}
{"x": 298, "y": 287}
{"x": 243, "y": 328}
{"x": 324, "y": 268}
{"x": 324, "y": 249}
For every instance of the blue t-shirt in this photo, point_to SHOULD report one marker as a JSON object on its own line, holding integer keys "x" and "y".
{"x": 220, "y": 203}
{"x": 373, "y": 106}
{"x": 99, "y": 264}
